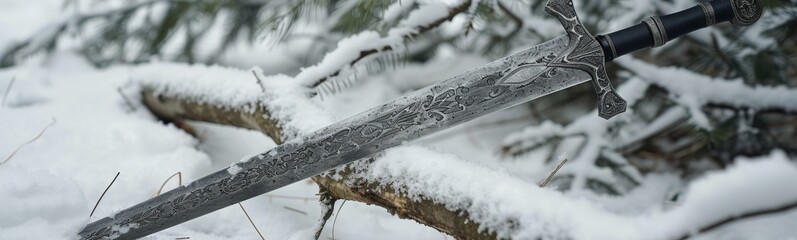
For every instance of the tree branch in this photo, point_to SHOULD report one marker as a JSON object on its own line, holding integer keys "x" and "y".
{"x": 455, "y": 223}
{"x": 420, "y": 29}
{"x": 745, "y": 216}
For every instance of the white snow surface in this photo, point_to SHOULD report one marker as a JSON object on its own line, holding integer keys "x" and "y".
{"x": 96, "y": 135}
{"x": 703, "y": 90}
{"x": 422, "y": 173}
{"x": 49, "y": 187}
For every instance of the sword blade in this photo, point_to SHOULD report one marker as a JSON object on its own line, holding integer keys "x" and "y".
{"x": 501, "y": 84}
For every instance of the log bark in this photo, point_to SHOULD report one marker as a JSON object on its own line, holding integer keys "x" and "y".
{"x": 452, "y": 222}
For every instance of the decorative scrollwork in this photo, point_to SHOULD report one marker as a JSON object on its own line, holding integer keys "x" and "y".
{"x": 585, "y": 53}
{"x": 495, "y": 86}
{"x": 746, "y": 12}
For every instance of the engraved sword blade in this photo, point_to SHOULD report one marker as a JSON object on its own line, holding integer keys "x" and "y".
{"x": 538, "y": 71}
{"x": 500, "y": 84}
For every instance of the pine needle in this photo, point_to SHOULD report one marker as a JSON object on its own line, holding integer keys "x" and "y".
{"x": 126, "y": 99}
{"x": 295, "y": 210}
{"x": 103, "y": 194}
{"x": 270, "y": 196}
{"x": 8, "y": 90}
{"x": 28, "y": 142}
{"x": 252, "y": 222}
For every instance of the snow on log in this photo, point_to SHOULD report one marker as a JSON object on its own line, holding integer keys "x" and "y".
{"x": 470, "y": 201}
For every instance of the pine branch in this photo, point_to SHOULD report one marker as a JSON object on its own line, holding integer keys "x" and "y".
{"x": 47, "y": 36}
{"x": 366, "y": 52}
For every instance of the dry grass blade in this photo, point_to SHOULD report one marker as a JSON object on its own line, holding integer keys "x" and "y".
{"x": 8, "y": 89}
{"x": 103, "y": 194}
{"x": 553, "y": 173}
{"x": 250, "y": 221}
{"x": 335, "y": 222}
{"x": 179, "y": 181}
{"x": 291, "y": 197}
{"x": 28, "y": 142}
{"x": 295, "y": 210}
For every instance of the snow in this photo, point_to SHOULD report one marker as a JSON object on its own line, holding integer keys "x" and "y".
{"x": 495, "y": 196}
{"x": 349, "y": 49}
{"x": 241, "y": 90}
{"x": 96, "y": 135}
{"x": 49, "y": 187}
{"x": 201, "y": 83}
{"x": 745, "y": 187}
{"x": 694, "y": 90}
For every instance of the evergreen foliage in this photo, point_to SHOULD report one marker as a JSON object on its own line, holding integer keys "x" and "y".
{"x": 762, "y": 55}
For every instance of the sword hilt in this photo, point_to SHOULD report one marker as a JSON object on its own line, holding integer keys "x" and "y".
{"x": 585, "y": 53}
{"x": 655, "y": 31}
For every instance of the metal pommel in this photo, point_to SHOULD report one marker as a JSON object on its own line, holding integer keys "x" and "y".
{"x": 746, "y": 12}
{"x": 585, "y": 53}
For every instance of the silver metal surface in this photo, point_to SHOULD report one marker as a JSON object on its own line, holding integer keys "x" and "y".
{"x": 538, "y": 71}
{"x": 746, "y": 12}
{"x": 611, "y": 46}
{"x": 708, "y": 11}
{"x": 657, "y": 30}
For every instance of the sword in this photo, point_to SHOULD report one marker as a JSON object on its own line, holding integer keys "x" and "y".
{"x": 563, "y": 62}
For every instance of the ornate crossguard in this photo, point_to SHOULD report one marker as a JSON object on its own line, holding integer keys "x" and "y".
{"x": 589, "y": 54}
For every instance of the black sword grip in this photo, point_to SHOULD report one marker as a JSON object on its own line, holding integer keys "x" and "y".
{"x": 656, "y": 31}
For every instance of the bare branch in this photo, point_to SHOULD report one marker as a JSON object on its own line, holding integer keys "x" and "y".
{"x": 328, "y": 204}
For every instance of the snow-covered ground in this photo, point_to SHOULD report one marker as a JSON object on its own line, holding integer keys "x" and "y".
{"x": 93, "y": 127}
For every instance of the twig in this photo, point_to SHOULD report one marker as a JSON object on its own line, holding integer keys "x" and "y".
{"x": 103, "y": 194}
{"x": 28, "y": 142}
{"x": 250, "y": 221}
{"x": 182, "y": 238}
{"x": 127, "y": 100}
{"x": 518, "y": 22}
{"x": 335, "y": 222}
{"x": 550, "y": 176}
{"x": 259, "y": 82}
{"x": 179, "y": 181}
{"x": 744, "y": 216}
{"x": 716, "y": 47}
{"x": 8, "y": 90}
{"x": 295, "y": 210}
{"x": 328, "y": 204}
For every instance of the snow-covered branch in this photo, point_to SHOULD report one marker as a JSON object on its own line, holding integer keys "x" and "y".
{"x": 282, "y": 111}
{"x": 47, "y": 36}
{"x": 688, "y": 86}
{"x": 440, "y": 190}
{"x": 352, "y": 50}
{"x": 598, "y": 139}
